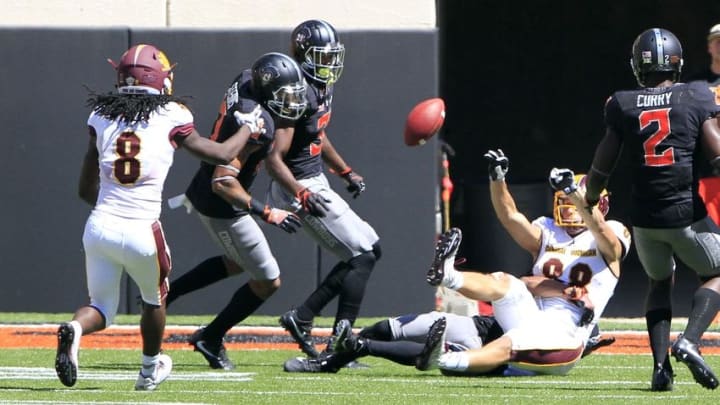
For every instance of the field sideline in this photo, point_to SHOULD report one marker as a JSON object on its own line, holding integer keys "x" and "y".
{"x": 106, "y": 375}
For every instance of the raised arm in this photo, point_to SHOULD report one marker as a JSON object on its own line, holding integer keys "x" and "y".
{"x": 606, "y": 239}
{"x": 520, "y": 229}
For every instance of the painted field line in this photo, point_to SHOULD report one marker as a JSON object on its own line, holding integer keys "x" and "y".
{"x": 44, "y": 373}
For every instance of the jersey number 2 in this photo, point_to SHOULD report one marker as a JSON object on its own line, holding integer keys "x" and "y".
{"x": 662, "y": 118}
{"x": 126, "y": 167}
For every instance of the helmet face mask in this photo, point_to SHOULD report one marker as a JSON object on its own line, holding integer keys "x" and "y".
{"x": 278, "y": 81}
{"x": 656, "y": 50}
{"x": 289, "y": 101}
{"x": 324, "y": 64}
{"x": 566, "y": 214}
{"x": 317, "y": 49}
{"x": 144, "y": 69}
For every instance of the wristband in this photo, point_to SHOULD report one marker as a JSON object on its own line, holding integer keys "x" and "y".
{"x": 345, "y": 172}
{"x": 258, "y": 208}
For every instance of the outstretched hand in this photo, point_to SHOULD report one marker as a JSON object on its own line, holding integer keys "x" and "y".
{"x": 562, "y": 180}
{"x": 498, "y": 164}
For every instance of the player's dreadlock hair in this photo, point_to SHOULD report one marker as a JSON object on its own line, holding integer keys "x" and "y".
{"x": 129, "y": 108}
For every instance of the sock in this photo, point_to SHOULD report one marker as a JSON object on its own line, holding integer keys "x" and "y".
{"x": 352, "y": 289}
{"x": 399, "y": 351}
{"x": 78, "y": 328}
{"x": 328, "y": 289}
{"x": 453, "y": 279}
{"x": 243, "y": 303}
{"x": 706, "y": 303}
{"x": 148, "y": 364}
{"x": 658, "y": 326}
{"x": 455, "y": 361}
{"x": 202, "y": 275}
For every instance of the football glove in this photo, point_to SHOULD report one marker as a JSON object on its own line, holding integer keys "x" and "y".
{"x": 285, "y": 220}
{"x": 252, "y": 120}
{"x": 498, "y": 164}
{"x": 562, "y": 180}
{"x": 355, "y": 183}
{"x": 313, "y": 203}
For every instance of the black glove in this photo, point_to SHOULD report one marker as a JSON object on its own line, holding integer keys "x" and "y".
{"x": 285, "y": 220}
{"x": 355, "y": 183}
{"x": 562, "y": 180}
{"x": 498, "y": 164}
{"x": 313, "y": 203}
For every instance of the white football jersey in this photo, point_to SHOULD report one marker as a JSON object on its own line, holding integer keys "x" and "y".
{"x": 576, "y": 260}
{"x": 135, "y": 160}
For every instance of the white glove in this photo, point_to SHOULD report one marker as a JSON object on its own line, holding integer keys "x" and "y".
{"x": 253, "y": 120}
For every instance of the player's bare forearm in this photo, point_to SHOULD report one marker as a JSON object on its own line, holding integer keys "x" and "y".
{"x": 607, "y": 241}
{"x": 278, "y": 170}
{"x": 517, "y": 225}
{"x": 89, "y": 182}
{"x": 331, "y": 157}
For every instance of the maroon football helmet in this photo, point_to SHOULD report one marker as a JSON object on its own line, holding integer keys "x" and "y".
{"x": 144, "y": 69}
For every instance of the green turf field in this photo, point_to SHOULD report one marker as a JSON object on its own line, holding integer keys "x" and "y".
{"x": 107, "y": 376}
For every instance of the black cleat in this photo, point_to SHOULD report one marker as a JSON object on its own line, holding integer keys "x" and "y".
{"x": 66, "y": 359}
{"x": 300, "y": 331}
{"x": 343, "y": 333}
{"x": 445, "y": 250}
{"x": 434, "y": 346}
{"x": 687, "y": 352}
{"x": 305, "y": 365}
{"x": 663, "y": 377}
{"x": 215, "y": 354}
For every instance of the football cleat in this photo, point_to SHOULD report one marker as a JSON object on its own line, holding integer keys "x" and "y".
{"x": 215, "y": 354}
{"x": 300, "y": 331}
{"x": 309, "y": 365}
{"x": 160, "y": 374}
{"x": 66, "y": 359}
{"x": 687, "y": 352}
{"x": 445, "y": 250}
{"x": 342, "y": 332}
{"x": 663, "y": 377}
{"x": 434, "y": 346}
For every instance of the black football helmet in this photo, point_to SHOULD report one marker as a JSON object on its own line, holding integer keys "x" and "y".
{"x": 280, "y": 84}
{"x": 656, "y": 50}
{"x": 317, "y": 49}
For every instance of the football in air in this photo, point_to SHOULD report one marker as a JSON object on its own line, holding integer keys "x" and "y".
{"x": 424, "y": 121}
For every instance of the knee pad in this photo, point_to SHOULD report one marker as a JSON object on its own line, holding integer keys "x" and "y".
{"x": 364, "y": 261}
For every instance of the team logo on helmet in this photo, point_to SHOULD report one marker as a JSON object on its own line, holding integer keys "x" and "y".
{"x": 268, "y": 73}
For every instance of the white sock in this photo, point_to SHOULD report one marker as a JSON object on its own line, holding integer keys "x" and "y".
{"x": 454, "y": 361}
{"x": 78, "y": 328}
{"x": 149, "y": 363}
{"x": 452, "y": 278}
{"x": 75, "y": 348}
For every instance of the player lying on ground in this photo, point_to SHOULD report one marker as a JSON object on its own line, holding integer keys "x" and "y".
{"x": 547, "y": 317}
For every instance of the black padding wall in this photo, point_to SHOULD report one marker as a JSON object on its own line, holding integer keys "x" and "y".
{"x": 43, "y": 116}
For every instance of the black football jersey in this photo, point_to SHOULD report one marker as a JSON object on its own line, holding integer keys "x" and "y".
{"x": 303, "y": 158}
{"x": 660, "y": 129}
{"x": 238, "y": 97}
